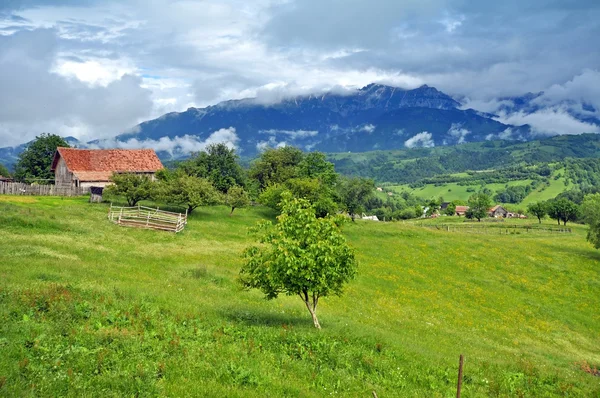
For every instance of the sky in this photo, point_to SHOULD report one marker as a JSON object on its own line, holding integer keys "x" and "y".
{"x": 94, "y": 69}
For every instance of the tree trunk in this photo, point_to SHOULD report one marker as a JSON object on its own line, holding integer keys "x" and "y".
{"x": 352, "y": 215}
{"x": 540, "y": 219}
{"x": 232, "y": 209}
{"x": 312, "y": 307}
{"x": 190, "y": 209}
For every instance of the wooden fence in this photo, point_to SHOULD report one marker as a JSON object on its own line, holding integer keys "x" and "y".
{"x": 499, "y": 229}
{"x": 147, "y": 217}
{"x": 17, "y": 188}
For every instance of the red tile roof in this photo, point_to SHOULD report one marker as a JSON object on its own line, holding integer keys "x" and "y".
{"x": 461, "y": 209}
{"x": 99, "y": 164}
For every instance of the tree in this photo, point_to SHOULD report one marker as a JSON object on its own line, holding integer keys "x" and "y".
{"x": 538, "y": 209}
{"x": 354, "y": 193}
{"x": 590, "y": 209}
{"x": 219, "y": 164}
{"x": 131, "y": 186}
{"x": 36, "y": 160}
{"x": 236, "y": 198}
{"x": 301, "y": 255}
{"x": 315, "y": 165}
{"x": 4, "y": 171}
{"x": 563, "y": 210}
{"x": 479, "y": 205}
{"x": 276, "y": 166}
{"x": 189, "y": 191}
{"x": 450, "y": 210}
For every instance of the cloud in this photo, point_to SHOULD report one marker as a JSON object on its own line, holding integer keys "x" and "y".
{"x": 367, "y": 128}
{"x": 457, "y": 134}
{"x": 177, "y": 145}
{"x": 293, "y": 134}
{"x": 94, "y": 68}
{"x": 34, "y": 99}
{"x": 270, "y": 143}
{"x": 550, "y": 121}
{"x": 423, "y": 139}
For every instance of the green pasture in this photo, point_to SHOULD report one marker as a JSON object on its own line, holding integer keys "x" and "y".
{"x": 452, "y": 191}
{"x": 89, "y": 308}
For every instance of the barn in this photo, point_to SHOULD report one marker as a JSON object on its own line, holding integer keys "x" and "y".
{"x": 74, "y": 167}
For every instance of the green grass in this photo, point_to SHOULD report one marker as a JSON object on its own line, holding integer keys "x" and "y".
{"x": 452, "y": 191}
{"x": 88, "y": 308}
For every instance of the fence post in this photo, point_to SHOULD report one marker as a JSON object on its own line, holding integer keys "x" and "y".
{"x": 460, "y": 374}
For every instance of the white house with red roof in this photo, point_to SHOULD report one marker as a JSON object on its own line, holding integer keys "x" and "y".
{"x": 93, "y": 167}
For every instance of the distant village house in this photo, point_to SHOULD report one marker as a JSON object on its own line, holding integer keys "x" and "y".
{"x": 498, "y": 212}
{"x": 93, "y": 167}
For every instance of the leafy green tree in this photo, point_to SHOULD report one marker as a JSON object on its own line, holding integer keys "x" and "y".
{"x": 354, "y": 193}
{"x": 132, "y": 187}
{"x": 479, "y": 205}
{"x": 302, "y": 255}
{"x": 538, "y": 209}
{"x": 36, "y": 160}
{"x": 276, "y": 166}
{"x": 189, "y": 191}
{"x": 432, "y": 207}
{"x": 237, "y": 198}
{"x": 563, "y": 210}
{"x": 590, "y": 210}
{"x": 4, "y": 171}
{"x": 450, "y": 210}
{"x": 219, "y": 164}
{"x": 315, "y": 165}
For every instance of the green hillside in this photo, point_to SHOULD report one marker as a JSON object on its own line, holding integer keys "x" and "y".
{"x": 88, "y": 308}
{"x": 548, "y": 167}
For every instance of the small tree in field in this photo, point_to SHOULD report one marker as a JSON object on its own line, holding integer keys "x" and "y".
{"x": 538, "y": 209}
{"x": 563, "y": 210}
{"x": 590, "y": 208}
{"x": 236, "y": 197}
{"x": 301, "y": 255}
{"x": 189, "y": 191}
{"x": 479, "y": 205}
{"x": 131, "y": 186}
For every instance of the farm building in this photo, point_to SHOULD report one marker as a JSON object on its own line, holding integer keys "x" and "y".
{"x": 5, "y": 179}
{"x": 498, "y": 212}
{"x": 93, "y": 167}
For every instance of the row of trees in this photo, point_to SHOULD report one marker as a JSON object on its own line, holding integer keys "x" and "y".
{"x": 215, "y": 176}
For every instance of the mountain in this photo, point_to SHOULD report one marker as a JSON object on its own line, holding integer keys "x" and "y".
{"x": 374, "y": 117}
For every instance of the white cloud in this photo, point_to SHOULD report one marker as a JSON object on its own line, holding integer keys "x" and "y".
{"x": 451, "y": 24}
{"x": 367, "y": 128}
{"x": 550, "y": 121}
{"x": 457, "y": 133}
{"x": 423, "y": 139}
{"x": 176, "y": 145}
{"x": 293, "y": 134}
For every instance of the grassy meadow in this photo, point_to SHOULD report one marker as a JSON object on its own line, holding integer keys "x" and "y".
{"x": 454, "y": 191}
{"x": 88, "y": 308}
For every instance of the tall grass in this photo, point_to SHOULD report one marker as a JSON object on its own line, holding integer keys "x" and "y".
{"x": 91, "y": 308}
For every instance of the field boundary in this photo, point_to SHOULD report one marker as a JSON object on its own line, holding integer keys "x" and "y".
{"x": 18, "y": 188}
{"x": 490, "y": 229}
